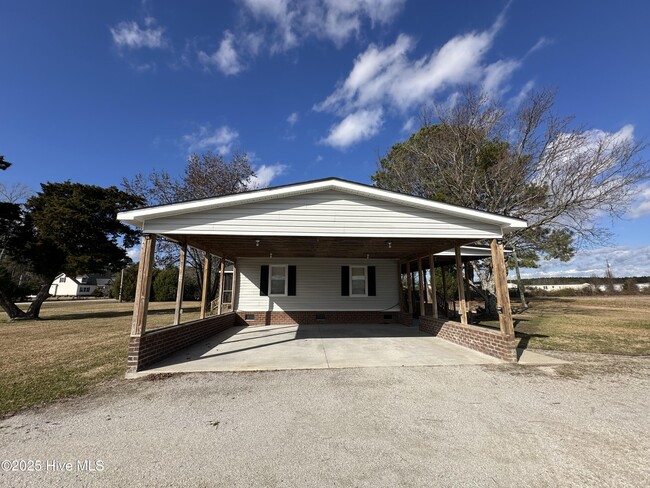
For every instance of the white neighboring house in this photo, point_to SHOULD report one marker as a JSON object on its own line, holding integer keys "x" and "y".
{"x": 555, "y": 287}
{"x": 80, "y": 286}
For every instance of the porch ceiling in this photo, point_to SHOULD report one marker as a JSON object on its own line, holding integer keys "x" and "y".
{"x": 300, "y": 246}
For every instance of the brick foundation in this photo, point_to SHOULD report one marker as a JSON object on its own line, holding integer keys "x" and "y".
{"x": 159, "y": 343}
{"x": 405, "y": 318}
{"x": 478, "y": 338}
{"x": 341, "y": 317}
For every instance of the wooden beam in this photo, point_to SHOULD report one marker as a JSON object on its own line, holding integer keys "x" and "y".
{"x": 461, "y": 286}
{"x": 181, "y": 283}
{"x": 434, "y": 292}
{"x": 501, "y": 286}
{"x": 421, "y": 288}
{"x": 207, "y": 271}
{"x": 143, "y": 285}
{"x": 400, "y": 287}
{"x": 234, "y": 285}
{"x": 222, "y": 272}
{"x": 468, "y": 289}
{"x": 444, "y": 290}
{"x": 409, "y": 284}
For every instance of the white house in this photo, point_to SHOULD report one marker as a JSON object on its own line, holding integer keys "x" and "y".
{"x": 79, "y": 286}
{"x": 320, "y": 251}
{"x": 555, "y": 286}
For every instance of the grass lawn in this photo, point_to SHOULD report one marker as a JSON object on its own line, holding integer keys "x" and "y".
{"x": 75, "y": 345}
{"x": 608, "y": 325}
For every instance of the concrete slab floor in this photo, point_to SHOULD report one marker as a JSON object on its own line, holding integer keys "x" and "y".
{"x": 318, "y": 346}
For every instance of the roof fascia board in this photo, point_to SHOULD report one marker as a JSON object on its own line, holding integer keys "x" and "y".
{"x": 138, "y": 216}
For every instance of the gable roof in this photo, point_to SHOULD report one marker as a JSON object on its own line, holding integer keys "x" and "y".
{"x": 139, "y": 216}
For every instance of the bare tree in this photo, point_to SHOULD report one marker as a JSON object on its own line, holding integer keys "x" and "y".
{"x": 527, "y": 163}
{"x": 205, "y": 176}
{"x": 16, "y": 193}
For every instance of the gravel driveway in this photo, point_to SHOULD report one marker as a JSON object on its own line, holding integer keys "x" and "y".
{"x": 582, "y": 424}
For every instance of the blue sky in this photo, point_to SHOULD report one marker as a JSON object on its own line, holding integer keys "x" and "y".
{"x": 97, "y": 91}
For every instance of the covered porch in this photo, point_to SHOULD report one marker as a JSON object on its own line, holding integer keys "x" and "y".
{"x": 323, "y": 235}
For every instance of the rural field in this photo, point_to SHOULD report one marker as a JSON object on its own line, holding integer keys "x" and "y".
{"x": 80, "y": 344}
{"x": 75, "y": 345}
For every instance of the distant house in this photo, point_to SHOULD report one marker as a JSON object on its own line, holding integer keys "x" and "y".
{"x": 79, "y": 286}
{"x": 555, "y": 286}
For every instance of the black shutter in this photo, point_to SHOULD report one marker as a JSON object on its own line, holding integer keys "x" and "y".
{"x": 345, "y": 281}
{"x": 264, "y": 280}
{"x": 291, "y": 288}
{"x": 372, "y": 281}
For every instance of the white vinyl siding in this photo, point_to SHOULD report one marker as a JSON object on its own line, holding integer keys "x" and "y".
{"x": 324, "y": 213}
{"x": 318, "y": 286}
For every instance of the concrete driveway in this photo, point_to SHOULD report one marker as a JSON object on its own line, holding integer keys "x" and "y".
{"x": 318, "y": 346}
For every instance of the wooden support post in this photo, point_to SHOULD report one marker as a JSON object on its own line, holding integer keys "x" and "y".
{"x": 501, "y": 286}
{"x": 444, "y": 290}
{"x": 234, "y": 285}
{"x": 222, "y": 272}
{"x": 434, "y": 292}
{"x": 409, "y": 284}
{"x": 468, "y": 289}
{"x": 461, "y": 286}
{"x": 143, "y": 285}
{"x": 400, "y": 287}
{"x": 181, "y": 283}
{"x": 421, "y": 288}
{"x": 207, "y": 271}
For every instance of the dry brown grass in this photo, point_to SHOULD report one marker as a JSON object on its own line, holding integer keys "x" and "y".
{"x": 74, "y": 346}
{"x": 603, "y": 324}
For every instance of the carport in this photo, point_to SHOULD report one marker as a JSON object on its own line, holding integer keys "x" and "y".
{"x": 334, "y": 263}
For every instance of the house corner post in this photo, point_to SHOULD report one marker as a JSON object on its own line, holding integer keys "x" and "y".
{"x": 207, "y": 271}
{"x": 141, "y": 302}
{"x": 181, "y": 283}
{"x": 143, "y": 285}
{"x": 461, "y": 285}
{"x": 501, "y": 286}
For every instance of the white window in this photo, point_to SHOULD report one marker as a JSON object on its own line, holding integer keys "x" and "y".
{"x": 358, "y": 281}
{"x": 62, "y": 280}
{"x": 278, "y": 280}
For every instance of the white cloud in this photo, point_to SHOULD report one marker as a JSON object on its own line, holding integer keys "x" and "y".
{"x": 389, "y": 77}
{"x": 641, "y": 205}
{"x": 523, "y": 93}
{"x": 624, "y": 260}
{"x": 130, "y": 35}
{"x": 540, "y": 44}
{"x": 292, "y": 21}
{"x": 497, "y": 74}
{"x": 134, "y": 253}
{"x": 265, "y": 174}
{"x": 206, "y": 139}
{"x": 409, "y": 125}
{"x": 225, "y": 58}
{"x": 293, "y": 118}
{"x": 355, "y": 127}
